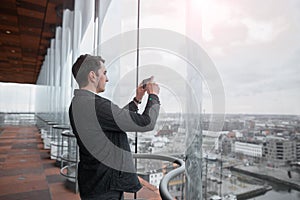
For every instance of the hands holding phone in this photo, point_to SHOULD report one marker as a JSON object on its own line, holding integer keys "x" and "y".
{"x": 147, "y": 85}
{"x": 150, "y": 86}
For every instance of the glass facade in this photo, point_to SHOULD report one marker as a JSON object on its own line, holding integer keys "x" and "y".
{"x": 135, "y": 46}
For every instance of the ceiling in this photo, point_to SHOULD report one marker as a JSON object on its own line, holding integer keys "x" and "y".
{"x": 26, "y": 28}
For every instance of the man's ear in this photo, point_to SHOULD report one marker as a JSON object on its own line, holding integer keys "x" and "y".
{"x": 92, "y": 76}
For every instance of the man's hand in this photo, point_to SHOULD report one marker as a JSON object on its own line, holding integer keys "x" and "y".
{"x": 140, "y": 92}
{"x": 153, "y": 88}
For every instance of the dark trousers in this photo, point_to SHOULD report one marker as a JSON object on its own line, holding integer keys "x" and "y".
{"x": 111, "y": 195}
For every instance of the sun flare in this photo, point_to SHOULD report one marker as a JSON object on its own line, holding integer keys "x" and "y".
{"x": 213, "y": 12}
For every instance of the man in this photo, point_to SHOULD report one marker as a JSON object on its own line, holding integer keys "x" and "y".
{"x": 106, "y": 170}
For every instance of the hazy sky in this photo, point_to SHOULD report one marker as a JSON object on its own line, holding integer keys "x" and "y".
{"x": 256, "y": 48}
{"x": 255, "y": 45}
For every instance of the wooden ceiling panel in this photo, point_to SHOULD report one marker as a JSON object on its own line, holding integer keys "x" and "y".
{"x": 48, "y": 35}
{"x": 8, "y": 9}
{"x": 30, "y": 22}
{"x": 10, "y": 69}
{"x": 51, "y": 19}
{"x": 31, "y": 13}
{"x": 11, "y": 39}
{"x": 31, "y": 25}
{"x": 8, "y": 19}
{"x": 4, "y": 66}
{"x": 45, "y": 42}
{"x": 31, "y": 31}
{"x": 28, "y": 41}
{"x": 30, "y": 5}
{"x": 13, "y": 50}
{"x": 42, "y": 3}
{"x": 28, "y": 68}
{"x": 10, "y": 29}
{"x": 40, "y": 58}
{"x": 28, "y": 59}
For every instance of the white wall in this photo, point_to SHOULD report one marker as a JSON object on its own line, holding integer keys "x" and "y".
{"x": 16, "y": 97}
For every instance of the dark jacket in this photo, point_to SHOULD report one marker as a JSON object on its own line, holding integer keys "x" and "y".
{"x": 99, "y": 125}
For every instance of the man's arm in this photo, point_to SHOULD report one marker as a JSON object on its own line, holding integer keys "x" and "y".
{"x": 133, "y": 105}
{"x": 112, "y": 118}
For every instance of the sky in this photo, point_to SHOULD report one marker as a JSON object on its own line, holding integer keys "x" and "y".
{"x": 256, "y": 48}
{"x": 254, "y": 45}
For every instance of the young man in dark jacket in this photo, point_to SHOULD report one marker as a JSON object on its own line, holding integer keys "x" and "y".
{"x": 106, "y": 169}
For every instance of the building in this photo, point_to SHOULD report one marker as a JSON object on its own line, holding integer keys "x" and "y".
{"x": 297, "y": 150}
{"x": 279, "y": 151}
{"x": 248, "y": 149}
{"x": 210, "y": 141}
{"x": 155, "y": 178}
{"x": 226, "y": 145}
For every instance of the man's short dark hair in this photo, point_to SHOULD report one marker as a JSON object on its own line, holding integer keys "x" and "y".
{"x": 83, "y": 66}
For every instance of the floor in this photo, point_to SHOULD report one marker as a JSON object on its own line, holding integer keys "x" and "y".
{"x": 27, "y": 173}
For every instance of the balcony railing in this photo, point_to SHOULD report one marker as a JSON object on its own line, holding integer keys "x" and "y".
{"x": 72, "y": 164}
{"x": 163, "y": 186}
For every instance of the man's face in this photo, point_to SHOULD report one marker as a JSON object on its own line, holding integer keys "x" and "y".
{"x": 102, "y": 79}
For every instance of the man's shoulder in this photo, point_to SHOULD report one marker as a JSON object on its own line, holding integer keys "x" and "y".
{"x": 100, "y": 98}
{"x": 86, "y": 96}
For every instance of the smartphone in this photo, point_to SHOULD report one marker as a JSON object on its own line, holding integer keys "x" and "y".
{"x": 145, "y": 81}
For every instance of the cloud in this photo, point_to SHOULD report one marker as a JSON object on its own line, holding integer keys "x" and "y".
{"x": 256, "y": 51}
{"x": 255, "y": 45}
{"x": 225, "y": 34}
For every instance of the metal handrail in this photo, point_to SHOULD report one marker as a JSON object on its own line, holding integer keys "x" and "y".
{"x": 163, "y": 186}
{"x": 66, "y": 167}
